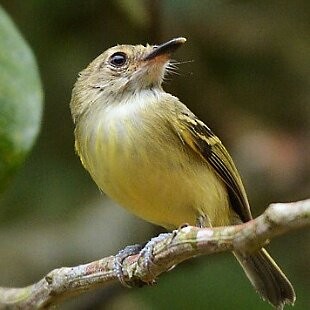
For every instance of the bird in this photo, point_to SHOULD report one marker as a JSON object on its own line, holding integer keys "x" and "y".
{"x": 148, "y": 152}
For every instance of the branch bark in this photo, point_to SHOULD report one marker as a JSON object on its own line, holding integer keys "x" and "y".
{"x": 182, "y": 244}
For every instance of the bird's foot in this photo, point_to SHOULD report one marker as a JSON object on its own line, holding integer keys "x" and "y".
{"x": 118, "y": 264}
{"x": 146, "y": 254}
{"x": 147, "y": 251}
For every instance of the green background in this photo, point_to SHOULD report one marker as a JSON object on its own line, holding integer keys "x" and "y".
{"x": 247, "y": 76}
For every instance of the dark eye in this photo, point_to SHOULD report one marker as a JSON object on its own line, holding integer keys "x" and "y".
{"x": 118, "y": 59}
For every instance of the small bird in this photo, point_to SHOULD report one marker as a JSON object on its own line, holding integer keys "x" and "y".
{"x": 147, "y": 151}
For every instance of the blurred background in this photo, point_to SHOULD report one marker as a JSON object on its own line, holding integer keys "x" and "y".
{"x": 246, "y": 73}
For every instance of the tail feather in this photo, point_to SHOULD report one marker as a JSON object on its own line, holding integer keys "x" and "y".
{"x": 267, "y": 278}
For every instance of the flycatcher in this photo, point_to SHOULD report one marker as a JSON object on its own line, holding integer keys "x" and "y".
{"x": 148, "y": 152}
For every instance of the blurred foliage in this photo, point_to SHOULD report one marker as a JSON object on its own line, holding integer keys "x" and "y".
{"x": 246, "y": 73}
{"x": 20, "y": 99}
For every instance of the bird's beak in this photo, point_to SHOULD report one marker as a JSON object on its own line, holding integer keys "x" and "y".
{"x": 165, "y": 49}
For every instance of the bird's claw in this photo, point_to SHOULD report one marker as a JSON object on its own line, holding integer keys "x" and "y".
{"x": 118, "y": 264}
{"x": 146, "y": 254}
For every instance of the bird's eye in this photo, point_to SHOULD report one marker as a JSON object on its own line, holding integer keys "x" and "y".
{"x": 118, "y": 59}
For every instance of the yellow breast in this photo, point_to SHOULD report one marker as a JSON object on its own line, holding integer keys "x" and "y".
{"x": 140, "y": 162}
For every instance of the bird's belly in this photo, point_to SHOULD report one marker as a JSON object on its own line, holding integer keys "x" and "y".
{"x": 166, "y": 195}
{"x": 159, "y": 181}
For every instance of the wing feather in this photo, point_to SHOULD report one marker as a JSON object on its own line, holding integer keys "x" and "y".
{"x": 204, "y": 142}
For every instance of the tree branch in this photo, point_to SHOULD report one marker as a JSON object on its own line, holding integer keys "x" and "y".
{"x": 182, "y": 244}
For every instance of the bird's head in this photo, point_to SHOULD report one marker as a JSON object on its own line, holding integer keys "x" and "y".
{"x": 121, "y": 71}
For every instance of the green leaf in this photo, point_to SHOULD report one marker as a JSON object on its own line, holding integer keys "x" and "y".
{"x": 20, "y": 99}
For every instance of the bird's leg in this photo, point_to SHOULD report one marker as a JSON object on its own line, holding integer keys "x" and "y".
{"x": 147, "y": 251}
{"x": 203, "y": 221}
{"x": 118, "y": 264}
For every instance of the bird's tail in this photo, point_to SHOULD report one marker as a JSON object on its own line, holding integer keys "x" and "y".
{"x": 267, "y": 278}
